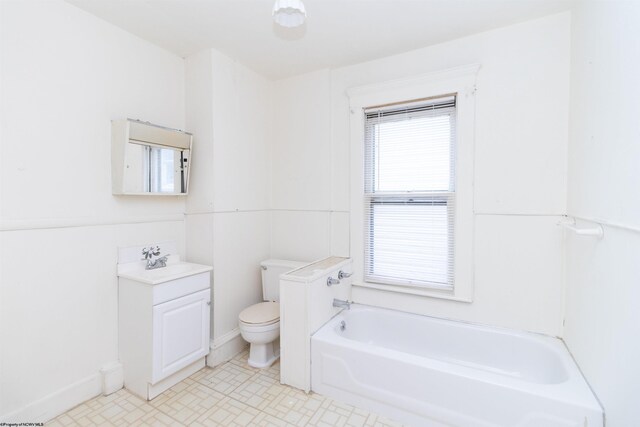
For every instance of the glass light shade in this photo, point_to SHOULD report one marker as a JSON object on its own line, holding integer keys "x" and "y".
{"x": 289, "y": 13}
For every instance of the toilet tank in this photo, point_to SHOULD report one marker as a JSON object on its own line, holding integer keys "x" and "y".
{"x": 271, "y": 271}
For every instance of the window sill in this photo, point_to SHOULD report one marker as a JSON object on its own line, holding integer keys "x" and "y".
{"x": 409, "y": 290}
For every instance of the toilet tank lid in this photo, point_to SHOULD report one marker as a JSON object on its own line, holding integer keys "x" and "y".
{"x": 282, "y": 263}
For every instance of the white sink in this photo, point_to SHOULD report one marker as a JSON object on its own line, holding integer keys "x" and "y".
{"x": 172, "y": 271}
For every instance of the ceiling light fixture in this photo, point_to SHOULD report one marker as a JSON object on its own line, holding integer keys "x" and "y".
{"x": 289, "y": 13}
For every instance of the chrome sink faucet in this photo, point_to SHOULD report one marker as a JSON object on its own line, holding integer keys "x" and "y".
{"x": 149, "y": 253}
{"x": 157, "y": 263}
{"x": 341, "y": 303}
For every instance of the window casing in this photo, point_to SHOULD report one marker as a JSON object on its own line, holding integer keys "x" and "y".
{"x": 410, "y": 194}
{"x": 402, "y": 294}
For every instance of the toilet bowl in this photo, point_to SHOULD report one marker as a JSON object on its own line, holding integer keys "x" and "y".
{"x": 259, "y": 324}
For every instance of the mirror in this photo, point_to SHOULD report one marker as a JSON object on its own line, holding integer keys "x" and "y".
{"x": 148, "y": 159}
{"x": 155, "y": 169}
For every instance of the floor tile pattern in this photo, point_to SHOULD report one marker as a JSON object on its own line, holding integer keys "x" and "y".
{"x": 230, "y": 395}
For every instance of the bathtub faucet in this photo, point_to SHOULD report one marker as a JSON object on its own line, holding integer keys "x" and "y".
{"x": 341, "y": 303}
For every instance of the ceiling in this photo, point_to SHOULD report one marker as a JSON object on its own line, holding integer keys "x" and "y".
{"x": 337, "y": 32}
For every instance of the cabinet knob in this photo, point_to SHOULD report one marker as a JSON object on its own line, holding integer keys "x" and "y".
{"x": 208, "y": 302}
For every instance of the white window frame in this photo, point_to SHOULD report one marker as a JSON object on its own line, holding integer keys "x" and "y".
{"x": 462, "y": 82}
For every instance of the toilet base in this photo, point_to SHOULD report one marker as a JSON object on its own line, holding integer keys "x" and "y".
{"x": 262, "y": 355}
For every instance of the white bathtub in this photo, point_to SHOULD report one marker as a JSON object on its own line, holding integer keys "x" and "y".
{"x": 424, "y": 371}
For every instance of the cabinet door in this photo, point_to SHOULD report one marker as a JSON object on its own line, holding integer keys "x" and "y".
{"x": 180, "y": 333}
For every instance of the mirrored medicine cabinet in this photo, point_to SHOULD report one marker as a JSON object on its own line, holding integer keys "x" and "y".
{"x": 148, "y": 159}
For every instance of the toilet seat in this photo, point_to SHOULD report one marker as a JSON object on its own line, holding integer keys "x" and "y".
{"x": 261, "y": 314}
{"x": 253, "y": 328}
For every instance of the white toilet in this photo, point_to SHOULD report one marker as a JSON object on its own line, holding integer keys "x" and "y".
{"x": 260, "y": 323}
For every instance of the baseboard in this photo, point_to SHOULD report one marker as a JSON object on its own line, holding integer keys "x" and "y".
{"x": 112, "y": 378}
{"x": 225, "y": 347}
{"x": 51, "y": 406}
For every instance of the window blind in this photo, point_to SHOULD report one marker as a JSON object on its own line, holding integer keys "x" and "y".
{"x": 409, "y": 193}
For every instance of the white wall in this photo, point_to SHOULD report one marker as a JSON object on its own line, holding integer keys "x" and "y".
{"x": 65, "y": 74}
{"x": 302, "y": 168}
{"x": 520, "y": 169}
{"x": 228, "y": 218}
{"x": 603, "y": 276}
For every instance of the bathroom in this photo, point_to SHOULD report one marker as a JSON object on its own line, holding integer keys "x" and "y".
{"x": 273, "y": 177}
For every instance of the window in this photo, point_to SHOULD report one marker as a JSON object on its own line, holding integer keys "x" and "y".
{"x": 409, "y": 193}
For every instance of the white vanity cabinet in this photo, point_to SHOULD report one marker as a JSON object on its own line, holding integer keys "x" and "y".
{"x": 163, "y": 326}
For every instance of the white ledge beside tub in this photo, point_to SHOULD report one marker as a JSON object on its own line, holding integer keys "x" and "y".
{"x": 306, "y": 303}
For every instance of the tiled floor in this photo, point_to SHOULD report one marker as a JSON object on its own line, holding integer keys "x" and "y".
{"x": 232, "y": 394}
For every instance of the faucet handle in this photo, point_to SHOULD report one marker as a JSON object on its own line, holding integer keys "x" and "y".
{"x": 332, "y": 281}
{"x": 343, "y": 275}
{"x": 150, "y": 252}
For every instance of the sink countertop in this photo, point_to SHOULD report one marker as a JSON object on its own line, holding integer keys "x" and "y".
{"x": 173, "y": 271}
